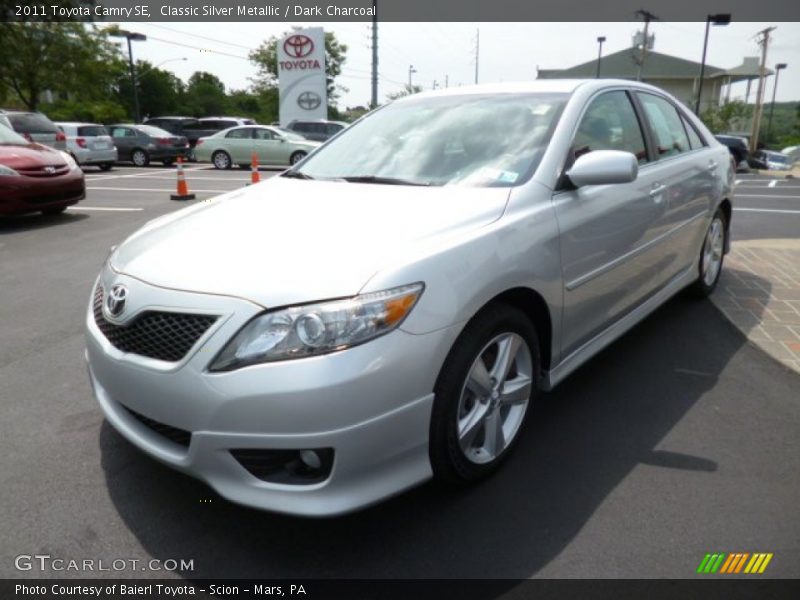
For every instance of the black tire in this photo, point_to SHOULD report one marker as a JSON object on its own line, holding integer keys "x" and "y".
{"x": 54, "y": 211}
{"x": 168, "y": 162}
{"x": 221, "y": 160}
{"x": 449, "y": 461}
{"x": 704, "y": 285}
{"x": 140, "y": 158}
{"x": 297, "y": 157}
{"x": 106, "y": 166}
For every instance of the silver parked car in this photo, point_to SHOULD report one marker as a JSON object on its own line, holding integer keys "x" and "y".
{"x": 90, "y": 144}
{"x": 35, "y": 127}
{"x": 387, "y": 310}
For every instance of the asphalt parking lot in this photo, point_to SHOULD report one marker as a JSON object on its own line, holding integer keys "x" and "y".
{"x": 678, "y": 440}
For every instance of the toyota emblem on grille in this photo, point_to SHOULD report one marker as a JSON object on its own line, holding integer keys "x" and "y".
{"x": 115, "y": 301}
{"x": 49, "y": 169}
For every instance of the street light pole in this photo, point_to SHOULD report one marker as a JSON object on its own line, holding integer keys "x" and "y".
{"x": 136, "y": 37}
{"x": 411, "y": 71}
{"x": 778, "y": 68}
{"x": 718, "y": 19}
{"x": 600, "y": 41}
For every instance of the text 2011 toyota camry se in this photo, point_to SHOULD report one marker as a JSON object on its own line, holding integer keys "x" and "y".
{"x": 387, "y": 310}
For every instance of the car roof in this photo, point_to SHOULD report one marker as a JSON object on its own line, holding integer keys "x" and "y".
{"x": 170, "y": 117}
{"x": 78, "y": 124}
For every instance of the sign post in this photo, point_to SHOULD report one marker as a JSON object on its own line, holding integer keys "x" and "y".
{"x": 302, "y": 84}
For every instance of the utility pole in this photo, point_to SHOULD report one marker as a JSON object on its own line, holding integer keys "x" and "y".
{"x": 411, "y": 71}
{"x": 647, "y": 16}
{"x": 374, "y": 100}
{"x": 477, "y": 53}
{"x": 600, "y": 41}
{"x": 763, "y": 41}
{"x": 447, "y": 81}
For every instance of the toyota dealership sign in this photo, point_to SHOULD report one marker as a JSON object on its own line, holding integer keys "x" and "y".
{"x": 301, "y": 75}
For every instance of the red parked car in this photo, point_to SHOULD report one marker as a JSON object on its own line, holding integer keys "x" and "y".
{"x": 36, "y": 178}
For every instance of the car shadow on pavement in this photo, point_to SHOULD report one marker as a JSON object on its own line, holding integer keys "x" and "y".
{"x": 580, "y": 442}
{"x": 38, "y": 221}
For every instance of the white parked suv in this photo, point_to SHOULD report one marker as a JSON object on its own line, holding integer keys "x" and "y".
{"x": 90, "y": 144}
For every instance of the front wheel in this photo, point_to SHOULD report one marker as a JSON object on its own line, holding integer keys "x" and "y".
{"x": 297, "y": 157}
{"x": 140, "y": 158}
{"x": 482, "y": 395}
{"x": 168, "y": 162}
{"x": 221, "y": 160}
{"x": 711, "y": 255}
{"x": 106, "y": 166}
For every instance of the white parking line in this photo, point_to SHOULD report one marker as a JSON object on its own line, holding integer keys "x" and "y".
{"x": 170, "y": 190}
{"x": 765, "y": 196}
{"x": 115, "y": 209}
{"x": 768, "y": 210}
{"x": 772, "y": 183}
{"x": 141, "y": 173}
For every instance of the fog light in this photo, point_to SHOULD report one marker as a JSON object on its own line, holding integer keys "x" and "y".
{"x": 310, "y": 459}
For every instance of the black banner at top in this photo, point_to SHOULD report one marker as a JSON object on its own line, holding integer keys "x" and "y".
{"x": 320, "y": 11}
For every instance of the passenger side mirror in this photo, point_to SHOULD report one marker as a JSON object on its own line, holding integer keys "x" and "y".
{"x": 603, "y": 167}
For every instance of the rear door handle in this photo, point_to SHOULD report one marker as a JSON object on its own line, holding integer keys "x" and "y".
{"x": 657, "y": 189}
{"x": 712, "y": 165}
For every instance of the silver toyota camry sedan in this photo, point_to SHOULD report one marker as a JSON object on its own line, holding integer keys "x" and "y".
{"x": 387, "y": 310}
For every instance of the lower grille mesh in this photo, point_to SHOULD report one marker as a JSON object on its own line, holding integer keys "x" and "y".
{"x": 173, "y": 434}
{"x": 162, "y": 335}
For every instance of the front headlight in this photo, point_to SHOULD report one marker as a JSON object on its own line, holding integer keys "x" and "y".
{"x": 313, "y": 329}
{"x": 69, "y": 160}
{"x": 8, "y": 172}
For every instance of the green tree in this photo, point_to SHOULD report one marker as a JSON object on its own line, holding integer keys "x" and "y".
{"x": 205, "y": 95}
{"x": 727, "y": 117}
{"x": 160, "y": 92}
{"x": 72, "y": 60}
{"x": 266, "y": 59}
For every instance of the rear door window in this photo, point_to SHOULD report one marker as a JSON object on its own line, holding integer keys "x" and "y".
{"x": 667, "y": 126}
{"x": 243, "y": 133}
{"x": 695, "y": 141}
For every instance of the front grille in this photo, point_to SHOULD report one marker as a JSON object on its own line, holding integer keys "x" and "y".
{"x": 42, "y": 171}
{"x": 173, "y": 434}
{"x": 156, "y": 334}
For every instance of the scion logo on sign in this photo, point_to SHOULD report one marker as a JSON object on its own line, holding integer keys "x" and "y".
{"x": 298, "y": 46}
{"x": 309, "y": 100}
{"x": 735, "y": 562}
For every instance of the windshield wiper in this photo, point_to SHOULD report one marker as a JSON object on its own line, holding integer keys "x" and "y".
{"x": 296, "y": 175}
{"x": 381, "y": 180}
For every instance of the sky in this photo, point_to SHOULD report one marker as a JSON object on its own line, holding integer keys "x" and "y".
{"x": 445, "y": 52}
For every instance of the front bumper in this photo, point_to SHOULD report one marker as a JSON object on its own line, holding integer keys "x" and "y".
{"x": 370, "y": 403}
{"x": 22, "y": 194}
{"x": 95, "y": 157}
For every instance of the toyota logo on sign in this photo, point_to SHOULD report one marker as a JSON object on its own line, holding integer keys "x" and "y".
{"x": 309, "y": 100}
{"x": 298, "y": 46}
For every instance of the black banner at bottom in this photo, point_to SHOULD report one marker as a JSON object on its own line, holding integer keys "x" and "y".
{"x": 408, "y": 589}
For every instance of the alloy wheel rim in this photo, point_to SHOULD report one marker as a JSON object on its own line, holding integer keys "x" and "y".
{"x": 221, "y": 161}
{"x": 712, "y": 252}
{"x": 297, "y": 158}
{"x": 138, "y": 158}
{"x": 494, "y": 398}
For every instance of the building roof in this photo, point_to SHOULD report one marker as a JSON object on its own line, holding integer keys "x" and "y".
{"x": 623, "y": 65}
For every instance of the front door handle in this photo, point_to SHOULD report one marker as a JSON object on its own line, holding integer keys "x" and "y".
{"x": 712, "y": 165}
{"x": 657, "y": 190}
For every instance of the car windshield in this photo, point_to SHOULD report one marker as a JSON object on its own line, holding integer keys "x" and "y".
{"x": 474, "y": 140}
{"x": 155, "y": 131}
{"x": 8, "y": 136}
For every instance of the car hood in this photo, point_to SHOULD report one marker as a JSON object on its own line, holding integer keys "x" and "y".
{"x": 287, "y": 241}
{"x": 29, "y": 155}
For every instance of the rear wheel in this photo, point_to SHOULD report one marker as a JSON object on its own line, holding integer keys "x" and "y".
{"x": 168, "y": 162}
{"x": 482, "y": 395}
{"x": 140, "y": 158}
{"x": 711, "y": 256}
{"x": 297, "y": 157}
{"x": 221, "y": 159}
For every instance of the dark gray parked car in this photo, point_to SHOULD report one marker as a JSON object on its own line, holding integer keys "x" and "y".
{"x": 318, "y": 131}
{"x": 142, "y": 143}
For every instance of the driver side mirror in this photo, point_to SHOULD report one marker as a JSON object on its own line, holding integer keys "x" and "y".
{"x": 602, "y": 167}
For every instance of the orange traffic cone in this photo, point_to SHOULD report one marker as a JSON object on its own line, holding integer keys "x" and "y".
{"x": 255, "y": 176}
{"x": 183, "y": 189}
